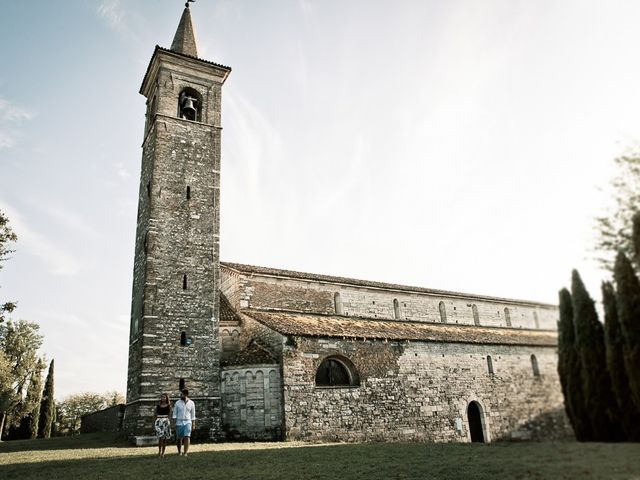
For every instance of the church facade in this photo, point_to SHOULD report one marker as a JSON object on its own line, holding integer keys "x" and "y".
{"x": 270, "y": 354}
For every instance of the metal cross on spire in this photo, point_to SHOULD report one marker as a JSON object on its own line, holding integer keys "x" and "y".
{"x": 188, "y": 1}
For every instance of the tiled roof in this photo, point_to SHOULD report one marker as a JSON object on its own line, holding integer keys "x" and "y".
{"x": 253, "y": 354}
{"x": 309, "y": 325}
{"x": 227, "y": 313}
{"x": 252, "y": 269}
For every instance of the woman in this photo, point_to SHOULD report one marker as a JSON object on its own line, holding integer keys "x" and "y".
{"x": 161, "y": 423}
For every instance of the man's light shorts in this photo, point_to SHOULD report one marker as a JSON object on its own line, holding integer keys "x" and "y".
{"x": 183, "y": 430}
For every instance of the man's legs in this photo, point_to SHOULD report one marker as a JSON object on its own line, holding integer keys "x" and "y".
{"x": 185, "y": 441}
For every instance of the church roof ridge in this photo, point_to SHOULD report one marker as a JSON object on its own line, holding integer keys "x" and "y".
{"x": 184, "y": 41}
{"x": 254, "y": 269}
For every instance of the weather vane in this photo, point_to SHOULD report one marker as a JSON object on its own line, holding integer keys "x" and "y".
{"x": 187, "y": 4}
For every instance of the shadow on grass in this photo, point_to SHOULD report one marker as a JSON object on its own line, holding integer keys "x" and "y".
{"x": 355, "y": 461}
{"x": 89, "y": 440}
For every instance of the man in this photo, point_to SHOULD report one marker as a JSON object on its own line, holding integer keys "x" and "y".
{"x": 184, "y": 413}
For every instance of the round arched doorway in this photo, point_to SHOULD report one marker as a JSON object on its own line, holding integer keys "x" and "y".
{"x": 474, "y": 415}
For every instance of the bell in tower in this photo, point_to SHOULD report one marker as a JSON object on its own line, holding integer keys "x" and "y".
{"x": 188, "y": 107}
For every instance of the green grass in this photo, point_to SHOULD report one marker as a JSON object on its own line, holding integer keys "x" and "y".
{"x": 107, "y": 457}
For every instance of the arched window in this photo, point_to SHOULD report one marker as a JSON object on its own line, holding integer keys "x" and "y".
{"x": 396, "y": 309}
{"x": 507, "y": 316}
{"x": 535, "y": 320}
{"x": 181, "y": 384}
{"x": 190, "y": 105}
{"x": 337, "y": 371}
{"x": 443, "y": 312}
{"x": 476, "y": 316}
{"x": 534, "y": 366}
{"x": 337, "y": 303}
{"x": 489, "y": 365}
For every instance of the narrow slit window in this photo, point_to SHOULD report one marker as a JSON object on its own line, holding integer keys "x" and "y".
{"x": 188, "y": 192}
{"x": 337, "y": 303}
{"x": 148, "y": 189}
{"x": 181, "y": 384}
{"x": 489, "y": 365}
{"x": 183, "y": 338}
{"x": 184, "y": 282}
{"x": 535, "y": 320}
{"x": 443, "y": 312}
{"x": 476, "y": 315}
{"x": 396, "y": 309}
{"x": 507, "y": 316}
{"x": 534, "y": 366}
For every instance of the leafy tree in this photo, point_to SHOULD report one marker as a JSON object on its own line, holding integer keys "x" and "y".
{"x": 47, "y": 406}
{"x": 569, "y": 370}
{"x": 29, "y": 409}
{"x": 73, "y": 407}
{"x": 629, "y": 414}
{"x": 6, "y": 237}
{"x": 7, "y": 394}
{"x": 602, "y": 408}
{"x": 628, "y": 288}
{"x": 19, "y": 341}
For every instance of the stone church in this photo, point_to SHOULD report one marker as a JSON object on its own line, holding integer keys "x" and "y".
{"x": 277, "y": 354}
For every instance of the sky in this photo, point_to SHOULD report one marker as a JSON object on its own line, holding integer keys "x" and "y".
{"x": 458, "y": 145}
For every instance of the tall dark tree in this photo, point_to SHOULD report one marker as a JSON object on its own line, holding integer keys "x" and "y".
{"x": 569, "y": 371}
{"x": 47, "y": 406}
{"x": 635, "y": 237}
{"x": 596, "y": 385}
{"x": 628, "y": 302}
{"x": 629, "y": 414}
{"x": 30, "y": 407}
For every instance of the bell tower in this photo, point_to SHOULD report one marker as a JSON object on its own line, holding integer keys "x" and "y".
{"x": 173, "y": 339}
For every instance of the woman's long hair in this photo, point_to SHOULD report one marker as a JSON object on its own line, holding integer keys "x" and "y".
{"x": 167, "y": 397}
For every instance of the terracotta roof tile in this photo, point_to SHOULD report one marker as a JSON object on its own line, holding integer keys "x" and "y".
{"x": 350, "y": 327}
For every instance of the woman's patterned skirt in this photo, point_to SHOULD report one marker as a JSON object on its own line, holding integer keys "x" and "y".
{"x": 163, "y": 428}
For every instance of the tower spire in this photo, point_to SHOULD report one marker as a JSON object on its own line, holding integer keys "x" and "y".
{"x": 184, "y": 40}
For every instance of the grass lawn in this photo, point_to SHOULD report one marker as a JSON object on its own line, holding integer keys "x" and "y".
{"x": 107, "y": 457}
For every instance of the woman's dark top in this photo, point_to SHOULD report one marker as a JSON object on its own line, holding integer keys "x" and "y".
{"x": 160, "y": 410}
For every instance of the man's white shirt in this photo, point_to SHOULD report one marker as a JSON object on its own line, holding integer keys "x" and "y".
{"x": 184, "y": 412}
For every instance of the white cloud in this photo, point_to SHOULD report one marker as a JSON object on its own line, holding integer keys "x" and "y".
{"x": 11, "y": 117}
{"x": 111, "y": 12}
{"x": 59, "y": 261}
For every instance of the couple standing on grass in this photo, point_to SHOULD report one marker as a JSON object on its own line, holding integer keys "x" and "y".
{"x": 184, "y": 414}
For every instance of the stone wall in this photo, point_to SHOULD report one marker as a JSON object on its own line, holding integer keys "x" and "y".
{"x": 292, "y": 294}
{"x": 252, "y": 402}
{"x": 420, "y": 391}
{"x": 107, "y": 420}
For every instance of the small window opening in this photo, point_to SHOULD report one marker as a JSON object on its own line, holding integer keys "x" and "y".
{"x": 181, "y": 384}
{"x": 476, "y": 315}
{"x": 190, "y": 105}
{"x": 148, "y": 189}
{"x": 489, "y": 365}
{"x": 337, "y": 303}
{"x": 507, "y": 316}
{"x": 336, "y": 372}
{"x": 188, "y": 192}
{"x": 183, "y": 338}
{"x": 396, "y": 309}
{"x": 534, "y": 366}
{"x": 184, "y": 282}
{"x": 443, "y": 312}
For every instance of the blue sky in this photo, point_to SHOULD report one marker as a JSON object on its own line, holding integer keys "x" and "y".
{"x": 448, "y": 144}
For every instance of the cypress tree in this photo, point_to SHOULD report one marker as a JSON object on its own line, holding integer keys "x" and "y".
{"x": 629, "y": 317}
{"x": 47, "y": 406}
{"x": 629, "y": 415}
{"x": 569, "y": 371}
{"x": 602, "y": 409}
